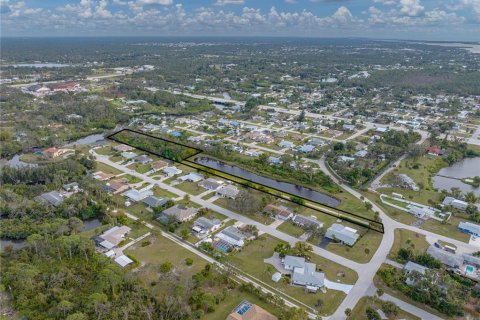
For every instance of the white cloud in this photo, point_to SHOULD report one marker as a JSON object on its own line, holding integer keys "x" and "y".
{"x": 226, "y": 2}
{"x": 385, "y": 2}
{"x": 411, "y": 8}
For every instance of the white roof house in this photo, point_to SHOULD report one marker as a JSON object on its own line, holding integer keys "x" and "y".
{"x": 306, "y": 148}
{"x": 138, "y": 195}
{"x": 286, "y": 144}
{"x": 343, "y": 234}
{"x": 413, "y": 267}
{"x": 123, "y": 261}
{"x": 228, "y": 191}
{"x": 458, "y": 204}
{"x": 128, "y": 155}
{"x": 113, "y": 236}
{"x": 171, "y": 171}
{"x": 192, "y": 177}
{"x": 232, "y": 235}
{"x": 276, "y": 277}
{"x": 304, "y": 273}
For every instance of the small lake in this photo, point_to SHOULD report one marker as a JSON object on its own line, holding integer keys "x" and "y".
{"x": 466, "y": 168}
{"x": 91, "y": 224}
{"x": 299, "y": 191}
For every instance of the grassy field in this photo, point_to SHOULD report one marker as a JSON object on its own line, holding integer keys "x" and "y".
{"x": 289, "y": 228}
{"x": 406, "y": 238}
{"x": 250, "y": 260}
{"x": 450, "y": 229}
{"x": 227, "y": 204}
{"x": 396, "y": 202}
{"x": 159, "y": 192}
{"x": 190, "y": 187}
{"x": 358, "y": 313}
{"x": 104, "y": 150}
{"x": 106, "y": 168}
{"x": 131, "y": 179}
{"x": 362, "y": 251}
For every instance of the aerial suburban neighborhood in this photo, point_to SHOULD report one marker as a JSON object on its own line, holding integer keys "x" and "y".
{"x": 238, "y": 178}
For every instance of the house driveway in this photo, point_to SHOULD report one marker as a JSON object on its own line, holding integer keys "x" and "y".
{"x": 338, "y": 286}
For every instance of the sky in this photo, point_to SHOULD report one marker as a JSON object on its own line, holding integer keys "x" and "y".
{"x": 449, "y": 20}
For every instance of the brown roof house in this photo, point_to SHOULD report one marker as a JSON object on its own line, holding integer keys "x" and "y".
{"x": 249, "y": 311}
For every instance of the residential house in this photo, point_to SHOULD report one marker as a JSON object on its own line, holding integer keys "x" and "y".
{"x": 53, "y": 197}
{"x": 211, "y": 184}
{"x": 305, "y": 221}
{"x": 342, "y": 234}
{"x": 274, "y": 160}
{"x": 117, "y": 186}
{"x": 230, "y": 237}
{"x": 412, "y": 268}
{"x": 306, "y": 148}
{"x": 316, "y": 142}
{"x": 381, "y": 129}
{"x": 158, "y": 165}
{"x": 345, "y": 159}
{"x": 128, "y": 155}
{"x": 155, "y": 202}
{"x": 361, "y": 154}
{"x": 280, "y": 212}
{"x": 53, "y": 152}
{"x": 458, "y": 204}
{"x": 138, "y": 195}
{"x": 470, "y": 228}
{"x": 122, "y": 148}
{"x": 204, "y": 225}
{"x": 249, "y": 311}
{"x": 435, "y": 151}
{"x": 102, "y": 176}
{"x": 181, "y": 213}
{"x": 304, "y": 273}
{"x": 408, "y": 182}
{"x": 64, "y": 86}
{"x": 192, "y": 177}
{"x": 228, "y": 191}
{"x": 112, "y": 237}
{"x": 70, "y": 187}
{"x": 143, "y": 159}
{"x": 286, "y": 144}
{"x": 447, "y": 258}
{"x": 171, "y": 171}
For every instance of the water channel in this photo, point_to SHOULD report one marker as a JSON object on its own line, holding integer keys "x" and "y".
{"x": 288, "y": 187}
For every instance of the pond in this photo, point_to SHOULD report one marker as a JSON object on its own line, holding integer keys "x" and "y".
{"x": 288, "y": 187}
{"x": 16, "y": 244}
{"x": 91, "y": 224}
{"x": 39, "y": 65}
{"x": 448, "y": 177}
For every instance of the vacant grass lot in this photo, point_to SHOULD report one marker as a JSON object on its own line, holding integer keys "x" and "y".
{"x": 289, "y": 228}
{"x": 190, "y": 187}
{"x": 106, "y": 168}
{"x": 358, "y": 313}
{"x": 250, "y": 260}
{"x": 406, "y": 238}
{"x": 162, "y": 193}
{"x": 227, "y": 204}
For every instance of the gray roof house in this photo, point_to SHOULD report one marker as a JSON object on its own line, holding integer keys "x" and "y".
{"x": 181, "y": 213}
{"x": 343, "y": 234}
{"x": 232, "y": 235}
{"x": 471, "y": 228}
{"x": 204, "y": 225}
{"x": 211, "y": 184}
{"x": 143, "y": 159}
{"x": 413, "y": 267}
{"x": 449, "y": 259}
{"x": 286, "y": 144}
{"x": 305, "y": 221}
{"x": 128, "y": 155}
{"x": 228, "y": 191}
{"x": 155, "y": 202}
{"x": 458, "y": 204}
{"x": 53, "y": 197}
{"x": 304, "y": 273}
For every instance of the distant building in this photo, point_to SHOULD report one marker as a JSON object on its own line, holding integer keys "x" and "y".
{"x": 54, "y": 152}
{"x": 250, "y": 311}
{"x": 128, "y": 155}
{"x": 343, "y": 234}
{"x": 435, "y": 151}
{"x": 286, "y": 144}
{"x": 306, "y": 148}
{"x": 117, "y": 186}
{"x": 123, "y": 261}
{"x": 158, "y": 165}
{"x": 231, "y": 236}
{"x": 408, "y": 182}
{"x": 64, "y": 86}
{"x": 102, "y": 176}
{"x": 143, "y": 159}
{"x": 274, "y": 160}
{"x": 138, "y": 195}
{"x": 171, "y": 171}
{"x": 192, "y": 177}
{"x": 447, "y": 258}
{"x": 122, "y": 148}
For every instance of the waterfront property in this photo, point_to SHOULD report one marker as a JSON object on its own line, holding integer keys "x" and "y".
{"x": 306, "y": 221}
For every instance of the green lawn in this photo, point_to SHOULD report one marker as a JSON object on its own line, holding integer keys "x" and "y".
{"x": 449, "y": 229}
{"x": 106, "y": 168}
{"x": 208, "y": 195}
{"x": 190, "y": 187}
{"x": 395, "y": 202}
{"x": 406, "y": 238}
{"x": 140, "y": 210}
{"x": 159, "y": 192}
{"x": 259, "y": 217}
{"x": 289, "y": 228}
{"x": 358, "y": 313}
{"x": 362, "y": 251}
{"x": 131, "y": 179}
{"x": 250, "y": 260}
{"x": 104, "y": 150}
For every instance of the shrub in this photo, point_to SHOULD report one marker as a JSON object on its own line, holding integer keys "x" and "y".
{"x": 188, "y": 261}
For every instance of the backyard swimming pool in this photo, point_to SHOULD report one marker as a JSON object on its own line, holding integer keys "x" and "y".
{"x": 469, "y": 269}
